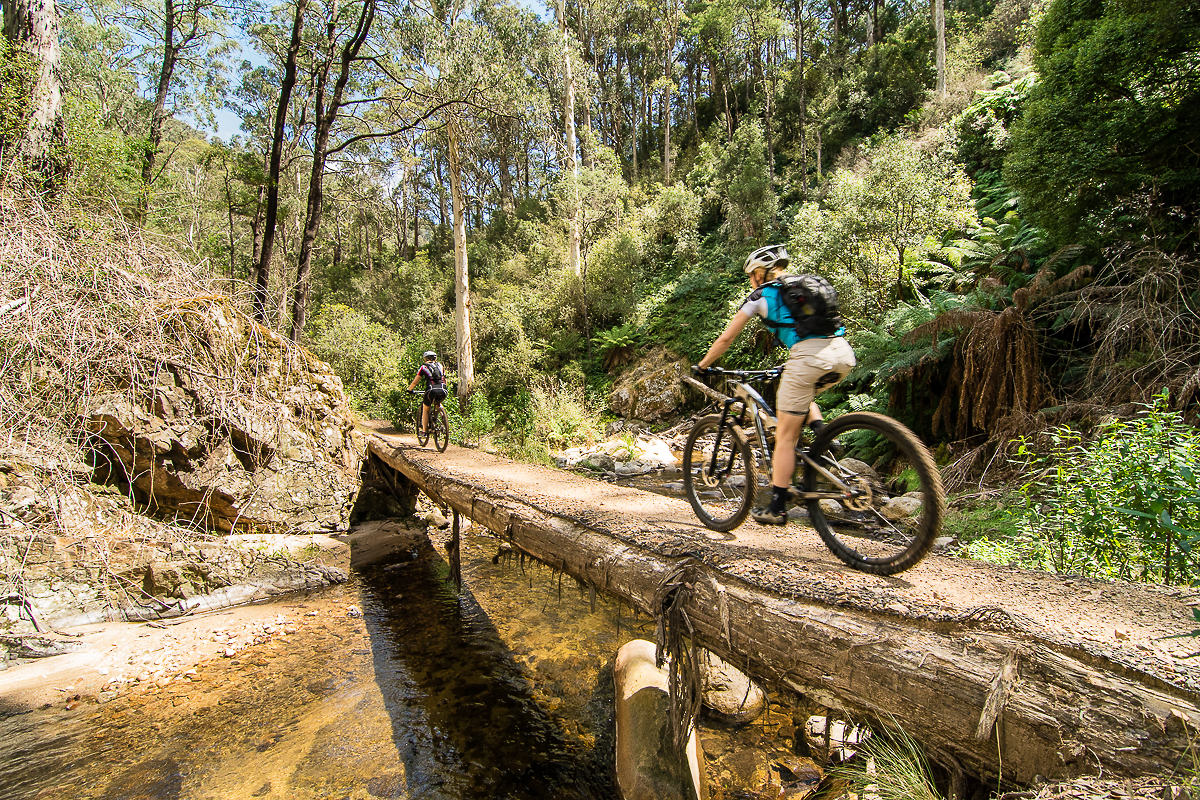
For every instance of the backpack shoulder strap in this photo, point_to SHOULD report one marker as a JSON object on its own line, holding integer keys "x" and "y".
{"x": 778, "y": 285}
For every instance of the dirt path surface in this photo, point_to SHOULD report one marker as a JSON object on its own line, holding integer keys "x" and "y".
{"x": 1131, "y": 626}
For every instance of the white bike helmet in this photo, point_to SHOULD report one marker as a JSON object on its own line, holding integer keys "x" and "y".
{"x": 773, "y": 255}
{"x": 430, "y": 355}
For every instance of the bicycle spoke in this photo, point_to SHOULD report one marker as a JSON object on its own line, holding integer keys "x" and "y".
{"x": 880, "y": 519}
{"x": 718, "y": 475}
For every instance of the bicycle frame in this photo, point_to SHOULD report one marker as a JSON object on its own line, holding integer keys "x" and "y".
{"x": 757, "y": 408}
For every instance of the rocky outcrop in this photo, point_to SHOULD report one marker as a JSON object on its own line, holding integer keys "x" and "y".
{"x": 651, "y": 391}
{"x": 270, "y": 446}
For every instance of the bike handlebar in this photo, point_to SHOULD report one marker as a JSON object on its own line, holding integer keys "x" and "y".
{"x": 746, "y": 374}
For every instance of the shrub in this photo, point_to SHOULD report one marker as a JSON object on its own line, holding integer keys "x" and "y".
{"x": 1126, "y": 506}
{"x": 371, "y": 360}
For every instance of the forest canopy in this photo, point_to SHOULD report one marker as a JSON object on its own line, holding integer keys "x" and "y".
{"x": 1004, "y": 192}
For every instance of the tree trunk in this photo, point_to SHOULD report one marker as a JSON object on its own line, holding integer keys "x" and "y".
{"x": 502, "y": 130}
{"x": 572, "y": 160}
{"x": 768, "y": 110}
{"x": 324, "y": 119}
{"x": 262, "y": 268}
{"x": 462, "y": 286}
{"x": 939, "y": 24}
{"x": 1002, "y": 697}
{"x": 158, "y": 113}
{"x": 803, "y": 99}
{"x": 256, "y": 230}
{"x": 31, "y": 27}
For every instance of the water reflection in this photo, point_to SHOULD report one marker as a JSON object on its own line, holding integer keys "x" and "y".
{"x": 463, "y": 710}
{"x": 431, "y": 694}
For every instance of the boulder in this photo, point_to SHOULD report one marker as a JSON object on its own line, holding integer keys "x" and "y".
{"x": 647, "y": 768}
{"x": 844, "y": 739}
{"x": 651, "y": 390}
{"x": 729, "y": 694}
{"x": 899, "y": 508}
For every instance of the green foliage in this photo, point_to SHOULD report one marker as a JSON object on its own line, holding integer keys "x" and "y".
{"x": 105, "y": 164}
{"x": 750, "y": 203}
{"x": 986, "y": 529}
{"x": 1106, "y": 148}
{"x": 560, "y": 416}
{"x": 890, "y": 766}
{"x": 880, "y": 88}
{"x": 860, "y": 237}
{"x": 685, "y": 315}
{"x": 371, "y": 360}
{"x": 479, "y": 420}
{"x": 983, "y": 128}
{"x": 1126, "y": 506}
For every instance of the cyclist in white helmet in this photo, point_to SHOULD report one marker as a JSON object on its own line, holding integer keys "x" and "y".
{"x": 819, "y": 357}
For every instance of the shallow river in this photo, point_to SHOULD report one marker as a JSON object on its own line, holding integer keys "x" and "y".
{"x": 504, "y": 690}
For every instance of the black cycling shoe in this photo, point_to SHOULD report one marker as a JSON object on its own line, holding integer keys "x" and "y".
{"x": 765, "y": 516}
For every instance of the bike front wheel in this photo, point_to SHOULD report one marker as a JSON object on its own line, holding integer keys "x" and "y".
{"x": 718, "y": 474}
{"x": 440, "y": 428}
{"x": 880, "y": 519}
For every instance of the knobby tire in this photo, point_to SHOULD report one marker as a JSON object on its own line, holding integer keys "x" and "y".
{"x": 866, "y": 538}
{"x": 440, "y": 428}
{"x": 721, "y": 501}
{"x": 423, "y": 438}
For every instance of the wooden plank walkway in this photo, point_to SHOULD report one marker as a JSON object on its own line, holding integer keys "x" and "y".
{"x": 955, "y": 651}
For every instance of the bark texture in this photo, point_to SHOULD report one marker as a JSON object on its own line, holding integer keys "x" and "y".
{"x": 31, "y": 26}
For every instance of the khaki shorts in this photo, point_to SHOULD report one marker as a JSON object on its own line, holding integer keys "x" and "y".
{"x": 812, "y": 367}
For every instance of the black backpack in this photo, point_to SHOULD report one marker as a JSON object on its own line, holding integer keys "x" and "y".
{"x": 436, "y": 376}
{"x": 813, "y": 303}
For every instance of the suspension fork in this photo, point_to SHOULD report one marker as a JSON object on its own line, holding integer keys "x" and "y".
{"x": 722, "y": 428}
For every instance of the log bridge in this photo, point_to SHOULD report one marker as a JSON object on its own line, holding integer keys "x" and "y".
{"x": 987, "y": 690}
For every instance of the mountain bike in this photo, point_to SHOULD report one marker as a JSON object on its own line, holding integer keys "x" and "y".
{"x": 439, "y": 426}
{"x": 880, "y": 519}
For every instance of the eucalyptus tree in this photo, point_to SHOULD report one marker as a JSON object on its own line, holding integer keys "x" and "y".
{"x": 262, "y": 269}
{"x": 346, "y": 31}
{"x": 473, "y": 69}
{"x": 99, "y": 64}
{"x": 570, "y": 145}
{"x": 32, "y": 48}
{"x": 184, "y": 43}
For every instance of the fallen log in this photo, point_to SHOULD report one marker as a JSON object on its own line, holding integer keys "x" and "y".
{"x": 1006, "y": 705}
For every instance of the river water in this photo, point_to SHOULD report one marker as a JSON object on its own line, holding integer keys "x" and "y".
{"x": 396, "y": 686}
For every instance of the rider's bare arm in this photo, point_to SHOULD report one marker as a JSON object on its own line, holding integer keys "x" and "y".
{"x": 726, "y": 338}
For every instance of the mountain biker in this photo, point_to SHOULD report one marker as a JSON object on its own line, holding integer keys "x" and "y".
{"x": 435, "y": 386}
{"x": 815, "y": 363}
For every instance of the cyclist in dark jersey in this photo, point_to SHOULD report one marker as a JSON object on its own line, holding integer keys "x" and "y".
{"x": 435, "y": 386}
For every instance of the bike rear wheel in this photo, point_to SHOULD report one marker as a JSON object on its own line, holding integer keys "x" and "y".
{"x": 721, "y": 491}
{"x": 893, "y": 513}
{"x": 440, "y": 428}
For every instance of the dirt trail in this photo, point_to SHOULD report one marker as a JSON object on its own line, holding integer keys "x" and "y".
{"x": 1128, "y": 624}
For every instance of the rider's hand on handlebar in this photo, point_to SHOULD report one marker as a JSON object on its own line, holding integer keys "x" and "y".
{"x": 700, "y": 371}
